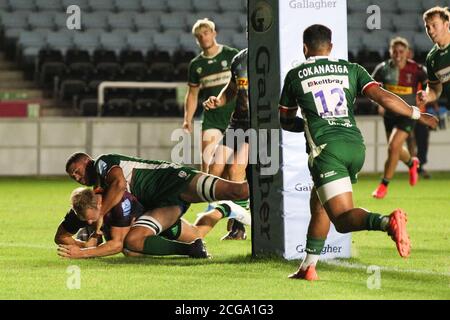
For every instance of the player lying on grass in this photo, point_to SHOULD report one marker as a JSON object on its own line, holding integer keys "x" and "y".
{"x": 117, "y": 223}
{"x": 165, "y": 189}
{"x": 325, "y": 90}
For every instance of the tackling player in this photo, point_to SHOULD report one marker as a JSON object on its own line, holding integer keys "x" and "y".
{"x": 325, "y": 90}
{"x": 164, "y": 189}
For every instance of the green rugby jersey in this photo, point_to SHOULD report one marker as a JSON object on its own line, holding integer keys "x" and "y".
{"x": 325, "y": 89}
{"x": 438, "y": 67}
{"x": 212, "y": 74}
{"x": 150, "y": 181}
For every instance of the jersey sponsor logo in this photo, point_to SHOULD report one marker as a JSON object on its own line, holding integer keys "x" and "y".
{"x": 328, "y": 174}
{"x": 182, "y": 174}
{"x": 321, "y": 69}
{"x": 400, "y": 90}
{"x": 346, "y": 123}
{"x": 242, "y": 83}
{"x": 216, "y": 79}
{"x": 102, "y": 167}
{"x": 443, "y": 74}
{"x": 126, "y": 207}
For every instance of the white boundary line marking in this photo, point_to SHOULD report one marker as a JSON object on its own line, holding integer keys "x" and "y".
{"x": 346, "y": 264}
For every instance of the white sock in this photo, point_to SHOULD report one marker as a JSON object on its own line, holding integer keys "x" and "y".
{"x": 310, "y": 259}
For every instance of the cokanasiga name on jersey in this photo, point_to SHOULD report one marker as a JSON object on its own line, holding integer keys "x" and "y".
{"x": 322, "y": 69}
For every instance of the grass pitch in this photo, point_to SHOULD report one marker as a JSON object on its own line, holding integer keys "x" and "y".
{"x": 31, "y": 209}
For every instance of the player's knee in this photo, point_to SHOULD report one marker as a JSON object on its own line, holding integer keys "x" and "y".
{"x": 134, "y": 241}
{"x": 240, "y": 191}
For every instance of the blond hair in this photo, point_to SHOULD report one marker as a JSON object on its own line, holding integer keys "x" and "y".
{"x": 398, "y": 40}
{"x": 443, "y": 13}
{"x": 83, "y": 199}
{"x": 203, "y": 23}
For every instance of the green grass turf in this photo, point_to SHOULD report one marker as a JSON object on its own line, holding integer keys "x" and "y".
{"x": 31, "y": 209}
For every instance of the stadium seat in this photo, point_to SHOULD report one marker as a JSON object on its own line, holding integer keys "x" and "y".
{"x": 91, "y": 20}
{"x": 61, "y": 40}
{"x": 427, "y": 4}
{"x": 164, "y": 42}
{"x": 16, "y": 5}
{"x": 357, "y": 6}
{"x": 422, "y": 43}
{"x": 406, "y": 22}
{"x": 122, "y": 20}
{"x": 49, "y": 5}
{"x": 158, "y": 56}
{"x": 86, "y": 41}
{"x": 146, "y": 108}
{"x": 107, "y": 71}
{"x": 410, "y": 6}
{"x": 387, "y": 6}
{"x": 49, "y": 55}
{"x": 41, "y": 20}
{"x": 377, "y": 40}
{"x": 50, "y": 71}
{"x": 226, "y": 21}
{"x": 357, "y": 20}
{"x": 148, "y": 20}
{"x": 134, "y": 71}
{"x": 102, "y": 55}
{"x": 74, "y": 55}
{"x": 88, "y": 107}
{"x": 127, "y": 56}
{"x": 71, "y": 88}
{"x": 170, "y": 108}
{"x": 231, "y": 6}
{"x": 60, "y": 21}
{"x": 188, "y": 43}
{"x": 225, "y": 36}
{"x": 239, "y": 41}
{"x": 128, "y": 6}
{"x": 201, "y": 5}
{"x": 182, "y": 56}
{"x": 181, "y": 72}
{"x": 154, "y": 5}
{"x": 180, "y": 5}
{"x": 81, "y": 71}
{"x": 161, "y": 71}
{"x": 102, "y": 5}
{"x": 140, "y": 41}
{"x": 118, "y": 107}
{"x": 175, "y": 20}
{"x": 242, "y": 19}
{"x": 113, "y": 41}
{"x": 355, "y": 40}
{"x": 83, "y": 4}
{"x": 387, "y": 21}
{"x": 4, "y": 6}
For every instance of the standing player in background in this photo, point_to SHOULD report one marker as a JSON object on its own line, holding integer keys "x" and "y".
{"x": 403, "y": 77}
{"x": 231, "y": 154}
{"x": 436, "y": 22}
{"x": 325, "y": 90}
{"x": 208, "y": 73}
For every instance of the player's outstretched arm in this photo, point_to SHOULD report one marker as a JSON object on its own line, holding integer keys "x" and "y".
{"x": 397, "y": 105}
{"x": 111, "y": 247}
{"x": 227, "y": 94}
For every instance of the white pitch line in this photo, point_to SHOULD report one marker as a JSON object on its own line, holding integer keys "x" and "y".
{"x": 350, "y": 265}
{"x": 26, "y": 245}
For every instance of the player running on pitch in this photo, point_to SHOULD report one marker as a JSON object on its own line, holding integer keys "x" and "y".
{"x": 325, "y": 90}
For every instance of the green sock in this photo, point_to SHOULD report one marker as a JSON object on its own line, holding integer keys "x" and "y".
{"x": 375, "y": 221}
{"x": 314, "y": 246}
{"x": 242, "y": 203}
{"x": 159, "y": 246}
{"x": 409, "y": 163}
{"x": 224, "y": 209}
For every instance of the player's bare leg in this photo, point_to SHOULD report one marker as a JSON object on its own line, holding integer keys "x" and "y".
{"x": 210, "y": 139}
{"x": 318, "y": 229}
{"x": 150, "y": 224}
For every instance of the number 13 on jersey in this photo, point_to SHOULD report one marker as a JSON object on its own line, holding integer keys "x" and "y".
{"x": 328, "y": 94}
